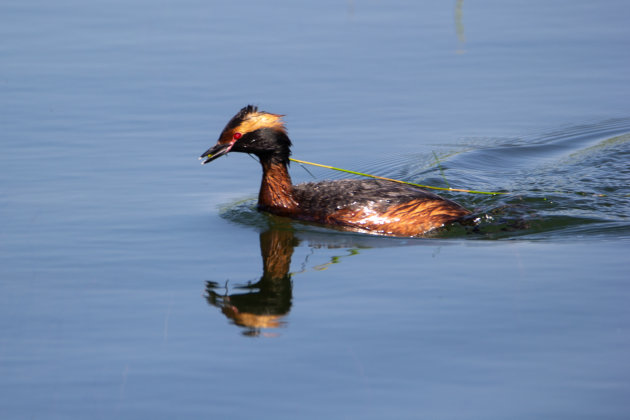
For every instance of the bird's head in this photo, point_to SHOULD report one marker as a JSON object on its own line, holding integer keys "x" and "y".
{"x": 251, "y": 131}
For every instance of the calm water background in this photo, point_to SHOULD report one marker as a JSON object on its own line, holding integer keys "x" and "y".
{"x": 119, "y": 252}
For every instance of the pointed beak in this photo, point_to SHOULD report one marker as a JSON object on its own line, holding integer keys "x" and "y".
{"x": 215, "y": 151}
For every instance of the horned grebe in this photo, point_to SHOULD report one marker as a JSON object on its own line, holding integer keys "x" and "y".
{"x": 375, "y": 206}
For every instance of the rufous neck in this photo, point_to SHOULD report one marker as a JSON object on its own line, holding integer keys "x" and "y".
{"x": 276, "y": 189}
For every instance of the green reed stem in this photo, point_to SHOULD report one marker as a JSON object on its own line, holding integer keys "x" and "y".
{"x": 441, "y": 170}
{"x": 397, "y": 180}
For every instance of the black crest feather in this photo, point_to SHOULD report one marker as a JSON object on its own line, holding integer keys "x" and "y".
{"x": 240, "y": 116}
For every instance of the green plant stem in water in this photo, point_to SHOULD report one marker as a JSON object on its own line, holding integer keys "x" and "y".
{"x": 441, "y": 170}
{"x": 396, "y": 180}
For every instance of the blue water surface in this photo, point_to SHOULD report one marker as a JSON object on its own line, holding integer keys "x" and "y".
{"x": 135, "y": 283}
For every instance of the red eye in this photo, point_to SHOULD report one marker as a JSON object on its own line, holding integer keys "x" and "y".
{"x": 237, "y": 136}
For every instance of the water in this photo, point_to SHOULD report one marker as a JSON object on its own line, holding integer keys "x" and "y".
{"x": 136, "y": 283}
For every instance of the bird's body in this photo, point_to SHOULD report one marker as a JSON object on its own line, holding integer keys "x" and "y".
{"x": 375, "y": 206}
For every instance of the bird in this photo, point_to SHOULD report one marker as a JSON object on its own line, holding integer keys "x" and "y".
{"x": 370, "y": 206}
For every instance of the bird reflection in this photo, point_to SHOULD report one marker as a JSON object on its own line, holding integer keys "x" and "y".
{"x": 265, "y": 303}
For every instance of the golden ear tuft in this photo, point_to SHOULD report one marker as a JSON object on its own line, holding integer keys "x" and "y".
{"x": 257, "y": 120}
